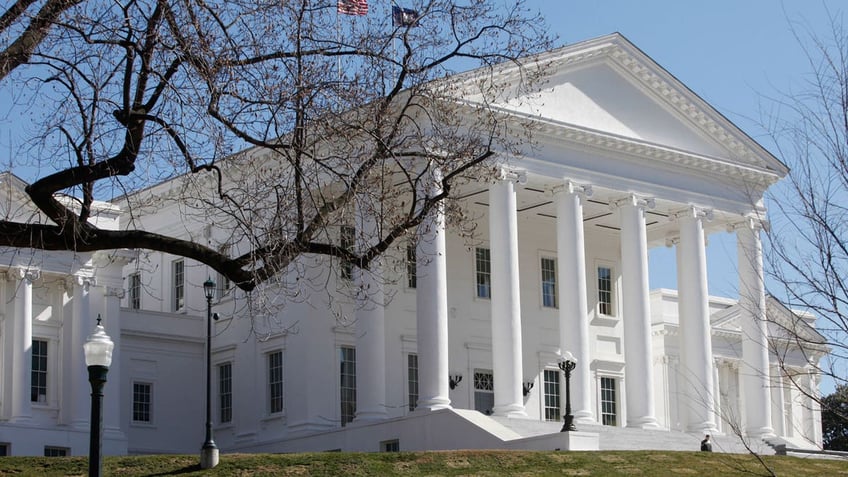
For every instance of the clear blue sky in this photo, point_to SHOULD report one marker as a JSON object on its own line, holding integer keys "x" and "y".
{"x": 733, "y": 53}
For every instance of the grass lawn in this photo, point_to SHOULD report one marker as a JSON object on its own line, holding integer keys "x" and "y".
{"x": 452, "y": 463}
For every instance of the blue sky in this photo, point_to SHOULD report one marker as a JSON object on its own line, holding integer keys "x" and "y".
{"x": 735, "y": 54}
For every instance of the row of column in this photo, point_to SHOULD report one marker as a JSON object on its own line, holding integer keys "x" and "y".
{"x": 71, "y": 393}
{"x": 696, "y": 346}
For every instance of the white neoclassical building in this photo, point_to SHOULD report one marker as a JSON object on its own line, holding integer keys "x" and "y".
{"x": 457, "y": 348}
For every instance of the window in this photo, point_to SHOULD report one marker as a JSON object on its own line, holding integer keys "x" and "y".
{"x": 390, "y": 446}
{"x": 178, "y": 284}
{"x": 552, "y": 408}
{"x": 608, "y": 404}
{"x": 412, "y": 379}
{"x": 605, "y": 291}
{"x": 411, "y": 264}
{"x": 549, "y": 283}
{"x": 484, "y": 391}
{"x": 142, "y": 393}
{"x": 483, "y": 265}
{"x": 38, "y": 383}
{"x": 347, "y": 373}
{"x": 346, "y": 240}
{"x": 225, "y": 392}
{"x": 275, "y": 382}
{"x": 134, "y": 291}
{"x": 223, "y": 283}
{"x": 53, "y": 451}
{"x": 4, "y": 449}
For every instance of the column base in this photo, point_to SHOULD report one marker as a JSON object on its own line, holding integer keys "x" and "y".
{"x": 584, "y": 417}
{"x": 643, "y": 423}
{"x": 370, "y": 416}
{"x": 510, "y": 410}
{"x": 706, "y": 427}
{"x": 434, "y": 404}
{"x": 760, "y": 433}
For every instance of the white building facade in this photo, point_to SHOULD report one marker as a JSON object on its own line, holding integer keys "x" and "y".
{"x": 455, "y": 340}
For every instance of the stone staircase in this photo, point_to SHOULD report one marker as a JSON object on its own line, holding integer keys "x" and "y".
{"x": 623, "y": 438}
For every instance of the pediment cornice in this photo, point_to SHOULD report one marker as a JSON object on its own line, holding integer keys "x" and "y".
{"x": 752, "y": 160}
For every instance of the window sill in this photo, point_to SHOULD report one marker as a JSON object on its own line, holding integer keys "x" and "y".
{"x": 142, "y": 424}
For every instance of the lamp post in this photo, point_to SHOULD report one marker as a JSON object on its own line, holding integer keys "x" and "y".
{"x": 567, "y": 363}
{"x": 209, "y": 451}
{"x": 98, "y": 357}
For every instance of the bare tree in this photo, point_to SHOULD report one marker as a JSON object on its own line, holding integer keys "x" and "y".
{"x": 807, "y": 246}
{"x": 331, "y": 112}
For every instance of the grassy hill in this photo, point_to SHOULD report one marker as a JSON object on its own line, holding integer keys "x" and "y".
{"x": 453, "y": 463}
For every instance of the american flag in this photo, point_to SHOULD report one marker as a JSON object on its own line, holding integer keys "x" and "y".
{"x": 353, "y": 7}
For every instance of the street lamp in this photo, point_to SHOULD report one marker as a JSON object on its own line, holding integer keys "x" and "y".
{"x": 567, "y": 363}
{"x": 209, "y": 451}
{"x": 98, "y": 356}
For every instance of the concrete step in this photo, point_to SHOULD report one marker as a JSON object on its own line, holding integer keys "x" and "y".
{"x": 623, "y": 438}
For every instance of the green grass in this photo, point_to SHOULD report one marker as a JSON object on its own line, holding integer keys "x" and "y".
{"x": 454, "y": 463}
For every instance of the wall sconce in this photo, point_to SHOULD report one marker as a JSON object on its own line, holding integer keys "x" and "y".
{"x": 454, "y": 380}
{"x": 526, "y": 387}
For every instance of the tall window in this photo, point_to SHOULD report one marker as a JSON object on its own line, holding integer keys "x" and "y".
{"x": 134, "y": 290}
{"x": 347, "y": 373}
{"x": 483, "y": 265}
{"x": 608, "y": 404}
{"x": 38, "y": 382}
{"x": 484, "y": 391}
{"x": 552, "y": 408}
{"x": 412, "y": 378}
{"x": 346, "y": 241}
{"x": 549, "y": 284}
{"x": 225, "y": 391}
{"x": 142, "y": 393}
{"x": 275, "y": 382}
{"x": 605, "y": 291}
{"x": 411, "y": 264}
{"x": 178, "y": 283}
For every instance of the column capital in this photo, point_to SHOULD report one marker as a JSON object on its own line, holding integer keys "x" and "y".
{"x": 692, "y": 212}
{"x": 634, "y": 200}
{"x": 570, "y": 187}
{"x": 28, "y": 274}
{"x": 503, "y": 173}
{"x": 754, "y": 223}
{"x": 86, "y": 281}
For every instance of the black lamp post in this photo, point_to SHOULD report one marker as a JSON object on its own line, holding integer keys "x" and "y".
{"x": 567, "y": 363}
{"x": 98, "y": 356}
{"x": 209, "y": 451}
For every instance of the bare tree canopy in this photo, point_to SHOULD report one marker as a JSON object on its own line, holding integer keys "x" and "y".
{"x": 330, "y": 112}
{"x": 807, "y": 254}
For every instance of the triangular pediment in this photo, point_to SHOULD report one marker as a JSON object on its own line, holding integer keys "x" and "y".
{"x": 607, "y": 92}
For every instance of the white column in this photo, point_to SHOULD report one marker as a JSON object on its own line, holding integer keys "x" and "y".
{"x": 83, "y": 325}
{"x": 22, "y": 364}
{"x": 573, "y": 306}
{"x": 506, "y": 302}
{"x": 752, "y": 303}
{"x": 113, "y": 401}
{"x": 639, "y": 379}
{"x": 432, "y": 307}
{"x": 370, "y": 324}
{"x": 694, "y": 315}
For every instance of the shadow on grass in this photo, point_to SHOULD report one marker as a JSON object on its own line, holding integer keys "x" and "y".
{"x": 185, "y": 470}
